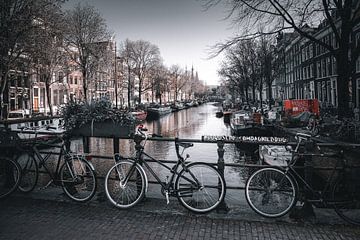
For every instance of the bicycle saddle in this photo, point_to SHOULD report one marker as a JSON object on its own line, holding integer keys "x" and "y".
{"x": 185, "y": 145}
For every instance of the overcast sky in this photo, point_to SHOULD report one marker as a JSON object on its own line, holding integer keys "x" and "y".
{"x": 180, "y": 28}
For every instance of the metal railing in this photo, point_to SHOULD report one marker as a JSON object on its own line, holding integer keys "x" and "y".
{"x": 220, "y": 142}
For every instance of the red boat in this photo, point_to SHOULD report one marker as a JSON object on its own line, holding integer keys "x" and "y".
{"x": 139, "y": 115}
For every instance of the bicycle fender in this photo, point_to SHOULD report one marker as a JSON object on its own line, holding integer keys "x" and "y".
{"x": 90, "y": 164}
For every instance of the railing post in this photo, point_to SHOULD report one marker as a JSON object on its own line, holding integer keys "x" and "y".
{"x": 308, "y": 174}
{"x": 307, "y": 210}
{"x": 86, "y": 144}
{"x": 222, "y": 208}
{"x": 138, "y": 139}
{"x": 116, "y": 147}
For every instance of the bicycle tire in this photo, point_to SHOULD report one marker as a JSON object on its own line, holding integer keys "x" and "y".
{"x": 10, "y": 176}
{"x": 78, "y": 178}
{"x": 270, "y": 192}
{"x": 347, "y": 202}
{"x": 29, "y": 172}
{"x": 201, "y": 198}
{"x": 133, "y": 191}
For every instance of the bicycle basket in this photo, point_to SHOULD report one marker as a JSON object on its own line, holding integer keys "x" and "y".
{"x": 8, "y": 138}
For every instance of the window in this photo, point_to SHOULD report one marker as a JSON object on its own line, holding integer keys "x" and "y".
{"x": 328, "y": 63}
{"x": 334, "y": 66}
{"x": 323, "y": 67}
{"x": 76, "y": 80}
{"x": 61, "y": 77}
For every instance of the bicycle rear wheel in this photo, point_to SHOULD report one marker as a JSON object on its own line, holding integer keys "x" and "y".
{"x": 125, "y": 184}
{"x": 270, "y": 192}
{"x": 200, "y": 187}
{"x": 78, "y": 178}
{"x": 347, "y": 202}
{"x": 10, "y": 176}
{"x": 29, "y": 172}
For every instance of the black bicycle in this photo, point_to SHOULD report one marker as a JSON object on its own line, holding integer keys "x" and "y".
{"x": 73, "y": 172}
{"x": 273, "y": 191}
{"x": 198, "y": 186}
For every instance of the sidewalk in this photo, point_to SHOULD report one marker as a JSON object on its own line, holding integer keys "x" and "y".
{"x": 48, "y": 214}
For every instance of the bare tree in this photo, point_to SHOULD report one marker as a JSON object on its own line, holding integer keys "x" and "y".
{"x": 178, "y": 80}
{"x": 266, "y": 57}
{"x": 145, "y": 57}
{"x": 48, "y": 54}
{"x": 86, "y": 28}
{"x": 158, "y": 79}
{"x": 275, "y": 16}
{"x": 126, "y": 50}
{"x": 17, "y": 20}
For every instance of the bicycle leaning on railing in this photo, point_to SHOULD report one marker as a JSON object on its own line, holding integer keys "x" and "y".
{"x": 198, "y": 186}
{"x": 273, "y": 191}
{"x": 76, "y": 175}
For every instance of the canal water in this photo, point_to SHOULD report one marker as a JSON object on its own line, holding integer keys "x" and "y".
{"x": 191, "y": 123}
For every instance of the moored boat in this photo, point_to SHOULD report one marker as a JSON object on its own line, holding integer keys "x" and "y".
{"x": 177, "y": 106}
{"x": 240, "y": 123}
{"x": 156, "y": 112}
{"x": 30, "y": 129}
{"x": 139, "y": 115}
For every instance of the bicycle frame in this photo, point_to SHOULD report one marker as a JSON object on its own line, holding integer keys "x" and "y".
{"x": 174, "y": 169}
{"x": 42, "y": 160}
{"x": 297, "y": 177}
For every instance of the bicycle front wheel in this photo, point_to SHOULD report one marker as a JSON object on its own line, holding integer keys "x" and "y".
{"x": 29, "y": 172}
{"x": 270, "y": 192}
{"x": 10, "y": 176}
{"x": 200, "y": 187}
{"x": 78, "y": 178}
{"x": 347, "y": 202}
{"x": 125, "y": 184}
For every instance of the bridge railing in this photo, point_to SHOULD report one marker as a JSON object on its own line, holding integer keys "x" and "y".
{"x": 220, "y": 142}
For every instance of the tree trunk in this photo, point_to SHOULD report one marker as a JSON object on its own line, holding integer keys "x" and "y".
{"x": 48, "y": 95}
{"x": 344, "y": 72}
{"x": 343, "y": 87}
{"x": 246, "y": 89}
{"x": 129, "y": 88}
{"x": 269, "y": 83}
{"x": 261, "y": 99}
{"x": 140, "y": 90}
{"x": 253, "y": 91}
{"x": 84, "y": 75}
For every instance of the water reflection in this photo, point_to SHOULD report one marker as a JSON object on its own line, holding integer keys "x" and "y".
{"x": 190, "y": 123}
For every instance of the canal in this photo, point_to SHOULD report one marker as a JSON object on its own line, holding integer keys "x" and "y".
{"x": 191, "y": 123}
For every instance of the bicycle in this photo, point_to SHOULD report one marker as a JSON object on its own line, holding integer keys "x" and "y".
{"x": 76, "y": 175}
{"x": 10, "y": 173}
{"x": 273, "y": 191}
{"x": 198, "y": 186}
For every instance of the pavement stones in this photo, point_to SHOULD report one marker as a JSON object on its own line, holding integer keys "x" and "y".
{"x": 39, "y": 217}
